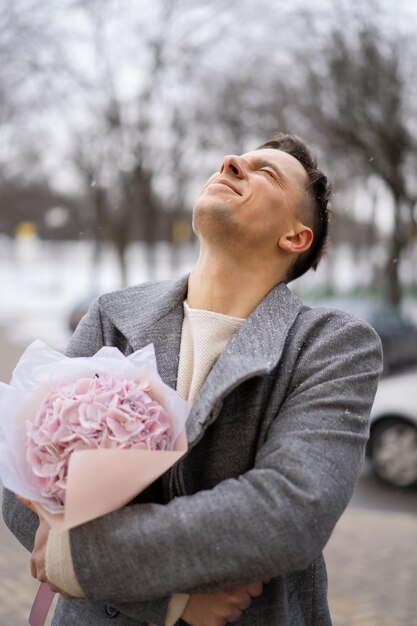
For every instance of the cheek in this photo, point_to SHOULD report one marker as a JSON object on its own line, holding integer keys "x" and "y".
{"x": 269, "y": 223}
{"x": 261, "y": 228}
{"x": 263, "y": 210}
{"x": 280, "y": 213}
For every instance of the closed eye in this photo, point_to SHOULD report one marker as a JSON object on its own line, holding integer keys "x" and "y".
{"x": 260, "y": 164}
{"x": 272, "y": 174}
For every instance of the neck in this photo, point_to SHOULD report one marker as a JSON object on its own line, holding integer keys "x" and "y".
{"x": 227, "y": 286}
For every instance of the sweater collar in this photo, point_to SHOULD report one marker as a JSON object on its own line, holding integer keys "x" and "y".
{"x": 153, "y": 313}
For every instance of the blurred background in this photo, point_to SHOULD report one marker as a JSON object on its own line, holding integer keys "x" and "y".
{"x": 113, "y": 113}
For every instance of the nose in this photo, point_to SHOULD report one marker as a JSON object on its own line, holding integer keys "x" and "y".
{"x": 233, "y": 165}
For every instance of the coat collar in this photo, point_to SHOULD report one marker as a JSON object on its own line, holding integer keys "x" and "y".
{"x": 153, "y": 313}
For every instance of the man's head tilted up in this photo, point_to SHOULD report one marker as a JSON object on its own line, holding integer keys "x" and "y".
{"x": 261, "y": 219}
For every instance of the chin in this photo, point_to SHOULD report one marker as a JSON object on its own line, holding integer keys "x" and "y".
{"x": 213, "y": 220}
{"x": 211, "y": 205}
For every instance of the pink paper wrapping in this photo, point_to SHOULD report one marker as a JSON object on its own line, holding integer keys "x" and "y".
{"x": 101, "y": 481}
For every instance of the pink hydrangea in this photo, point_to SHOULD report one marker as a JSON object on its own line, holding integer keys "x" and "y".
{"x": 99, "y": 412}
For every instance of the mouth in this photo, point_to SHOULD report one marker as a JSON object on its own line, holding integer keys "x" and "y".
{"x": 225, "y": 183}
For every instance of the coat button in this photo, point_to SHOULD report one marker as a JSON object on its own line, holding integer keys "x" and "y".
{"x": 111, "y": 611}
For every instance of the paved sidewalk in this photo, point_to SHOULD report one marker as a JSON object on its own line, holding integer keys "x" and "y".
{"x": 372, "y": 566}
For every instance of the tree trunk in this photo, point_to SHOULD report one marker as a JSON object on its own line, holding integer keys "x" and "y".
{"x": 120, "y": 239}
{"x": 121, "y": 255}
{"x": 394, "y": 290}
{"x": 98, "y": 225}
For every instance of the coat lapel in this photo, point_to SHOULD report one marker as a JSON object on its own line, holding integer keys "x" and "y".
{"x": 255, "y": 349}
{"x": 153, "y": 313}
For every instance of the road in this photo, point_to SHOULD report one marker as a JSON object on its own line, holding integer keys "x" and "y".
{"x": 371, "y": 494}
{"x": 370, "y": 557}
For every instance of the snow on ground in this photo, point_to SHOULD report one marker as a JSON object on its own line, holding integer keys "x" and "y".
{"x": 41, "y": 282}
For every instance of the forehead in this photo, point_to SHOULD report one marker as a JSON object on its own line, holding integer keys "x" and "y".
{"x": 290, "y": 167}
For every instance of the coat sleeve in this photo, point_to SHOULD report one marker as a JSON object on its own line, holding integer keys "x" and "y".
{"x": 87, "y": 339}
{"x": 22, "y": 522}
{"x": 270, "y": 521}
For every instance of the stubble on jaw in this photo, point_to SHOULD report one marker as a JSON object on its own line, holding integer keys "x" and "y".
{"x": 215, "y": 223}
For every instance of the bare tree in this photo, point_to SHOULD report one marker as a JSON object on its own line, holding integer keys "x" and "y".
{"x": 357, "y": 98}
{"x": 123, "y": 148}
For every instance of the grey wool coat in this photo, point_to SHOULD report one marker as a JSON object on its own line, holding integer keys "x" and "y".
{"x": 276, "y": 440}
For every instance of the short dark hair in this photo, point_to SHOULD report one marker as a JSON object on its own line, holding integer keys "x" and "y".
{"x": 319, "y": 190}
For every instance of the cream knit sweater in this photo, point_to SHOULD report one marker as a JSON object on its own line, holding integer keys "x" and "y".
{"x": 204, "y": 336}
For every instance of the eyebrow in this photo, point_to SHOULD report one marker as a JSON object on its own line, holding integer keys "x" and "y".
{"x": 262, "y": 162}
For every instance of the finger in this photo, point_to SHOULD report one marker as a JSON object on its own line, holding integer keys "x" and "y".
{"x": 64, "y": 594}
{"x": 67, "y": 596}
{"x": 33, "y": 568}
{"x": 36, "y": 572}
{"x": 240, "y": 598}
{"x": 41, "y": 576}
{"x": 25, "y": 502}
{"x": 244, "y": 604}
{"x": 254, "y": 589}
{"x": 234, "y": 615}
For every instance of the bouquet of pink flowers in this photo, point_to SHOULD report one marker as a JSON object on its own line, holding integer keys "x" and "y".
{"x": 103, "y": 412}
{"x": 81, "y": 437}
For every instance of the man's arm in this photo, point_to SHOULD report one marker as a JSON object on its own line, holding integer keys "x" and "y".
{"x": 23, "y": 523}
{"x": 272, "y": 520}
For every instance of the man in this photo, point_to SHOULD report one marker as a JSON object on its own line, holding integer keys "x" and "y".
{"x": 281, "y": 398}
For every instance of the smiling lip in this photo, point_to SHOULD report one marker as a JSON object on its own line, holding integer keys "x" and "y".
{"x": 223, "y": 181}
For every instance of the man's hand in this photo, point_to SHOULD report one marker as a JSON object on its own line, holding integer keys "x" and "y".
{"x": 38, "y": 557}
{"x": 217, "y": 609}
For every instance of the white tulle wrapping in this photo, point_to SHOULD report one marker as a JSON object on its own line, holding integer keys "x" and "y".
{"x": 38, "y": 370}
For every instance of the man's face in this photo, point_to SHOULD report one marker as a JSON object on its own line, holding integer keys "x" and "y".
{"x": 253, "y": 199}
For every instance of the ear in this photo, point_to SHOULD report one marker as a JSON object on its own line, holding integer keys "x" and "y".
{"x": 297, "y": 241}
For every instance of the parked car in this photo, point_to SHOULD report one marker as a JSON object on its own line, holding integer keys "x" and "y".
{"x": 392, "y": 446}
{"x": 398, "y": 333}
